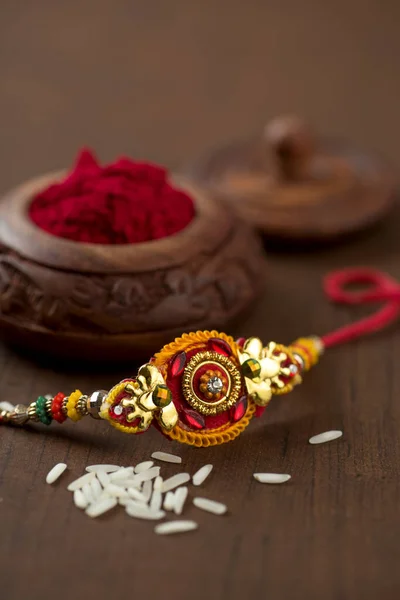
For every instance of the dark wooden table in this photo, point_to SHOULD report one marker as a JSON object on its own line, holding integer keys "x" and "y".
{"x": 164, "y": 80}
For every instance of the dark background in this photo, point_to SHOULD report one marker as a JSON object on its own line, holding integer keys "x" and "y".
{"x": 165, "y": 80}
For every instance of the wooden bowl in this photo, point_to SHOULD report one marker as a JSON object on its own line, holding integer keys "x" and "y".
{"x": 295, "y": 187}
{"x": 118, "y": 302}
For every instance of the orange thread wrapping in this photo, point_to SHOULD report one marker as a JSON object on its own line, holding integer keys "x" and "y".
{"x": 191, "y": 340}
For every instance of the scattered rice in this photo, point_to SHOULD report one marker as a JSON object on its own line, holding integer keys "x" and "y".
{"x": 100, "y": 507}
{"x": 169, "y": 501}
{"x": 103, "y": 468}
{"x": 180, "y": 499}
{"x": 166, "y": 457}
{"x": 55, "y": 472}
{"x": 158, "y": 483}
{"x": 79, "y": 499}
{"x": 141, "y": 511}
{"x": 80, "y": 482}
{"x": 156, "y": 500}
{"x": 122, "y": 473}
{"x": 217, "y": 508}
{"x": 103, "y": 478}
{"x": 202, "y": 474}
{"x": 143, "y": 466}
{"x": 175, "y": 527}
{"x": 271, "y": 477}
{"x": 116, "y": 491}
{"x": 175, "y": 481}
{"x": 327, "y": 436}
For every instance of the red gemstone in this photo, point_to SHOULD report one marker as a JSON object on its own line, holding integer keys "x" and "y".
{"x": 177, "y": 364}
{"x": 193, "y": 419}
{"x": 240, "y": 342}
{"x": 219, "y": 345}
{"x": 239, "y": 409}
{"x": 259, "y": 411}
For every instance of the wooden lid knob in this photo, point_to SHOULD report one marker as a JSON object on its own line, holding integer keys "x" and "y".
{"x": 292, "y": 147}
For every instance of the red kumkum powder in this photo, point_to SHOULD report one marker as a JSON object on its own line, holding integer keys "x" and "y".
{"x": 125, "y": 202}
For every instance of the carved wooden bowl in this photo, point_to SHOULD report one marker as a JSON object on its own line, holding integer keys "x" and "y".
{"x": 117, "y": 302}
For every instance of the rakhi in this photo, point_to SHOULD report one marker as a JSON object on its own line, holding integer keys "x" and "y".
{"x": 204, "y": 388}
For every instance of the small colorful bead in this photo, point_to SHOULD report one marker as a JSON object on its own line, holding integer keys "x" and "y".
{"x": 161, "y": 396}
{"x": 251, "y": 368}
{"x": 71, "y": 406}
{"x": 56, "y": 408}
{"x": 41, "y": 411}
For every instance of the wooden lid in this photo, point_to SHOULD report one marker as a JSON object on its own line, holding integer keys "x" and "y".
{"x": 294, "y": 186}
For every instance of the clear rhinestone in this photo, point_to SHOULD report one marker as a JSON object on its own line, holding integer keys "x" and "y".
{"x": 215, "y": 385}
{"x": 118, "y": 410}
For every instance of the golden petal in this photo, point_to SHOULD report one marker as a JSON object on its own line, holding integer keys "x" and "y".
{"x": 145, "y": 402}
{"x": 151, "y": 375}
{"x": 261, "y": 391}
{"x": 243, "y": 356}
{"x": 169, "y": 416}
{"x": 253, "y": 347}
{"x": 269, "y": 368}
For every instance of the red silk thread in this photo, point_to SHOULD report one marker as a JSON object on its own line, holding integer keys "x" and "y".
{"x": 125, "y": 202}
{"x": 382, "y": 288}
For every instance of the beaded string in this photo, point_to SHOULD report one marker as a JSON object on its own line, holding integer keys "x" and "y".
{"x": 382, "y": 288}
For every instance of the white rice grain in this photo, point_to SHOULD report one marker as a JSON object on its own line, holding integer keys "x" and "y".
{"x": 175, "y": 481}
{"x": 201, "y": 475}
{"x": 144, "y": 512}
{"x": 158, "y": 483}
{"x": 271, "y": 477}
{"x": 147, "y": 490}
{"x": 151, "y": 473}
{"x": 129, "y": 482}
{"x": 143, "y": 466}
{"x": 156, "y": 500}
{"x": 96, "y": 488}
{"x": 175, "y": 527}
{"x": 88, "y": 493}
{"x": 327, "y": 436}
{"x": 169, "y": 501}
{"x": 124, "y": 501}
{"x": 116, "y": 491}
{"x": 80, "y": 482}
{"x": 79, "y": 499}
{"x": 166, "y": 457}
{"x": 103, "y": 468}
{"x": 99, "y": 508}
{"x": 180, "y": 499}
{"x": 135, "y": 494}
{"x": 122, "y": 473}
{"x": 217, "y": 508}
{"x": 55, "y": 472}
{"x": 103, "y": 478}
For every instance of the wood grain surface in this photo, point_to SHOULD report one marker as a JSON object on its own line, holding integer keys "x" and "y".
{"x": 165, "y": 80}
